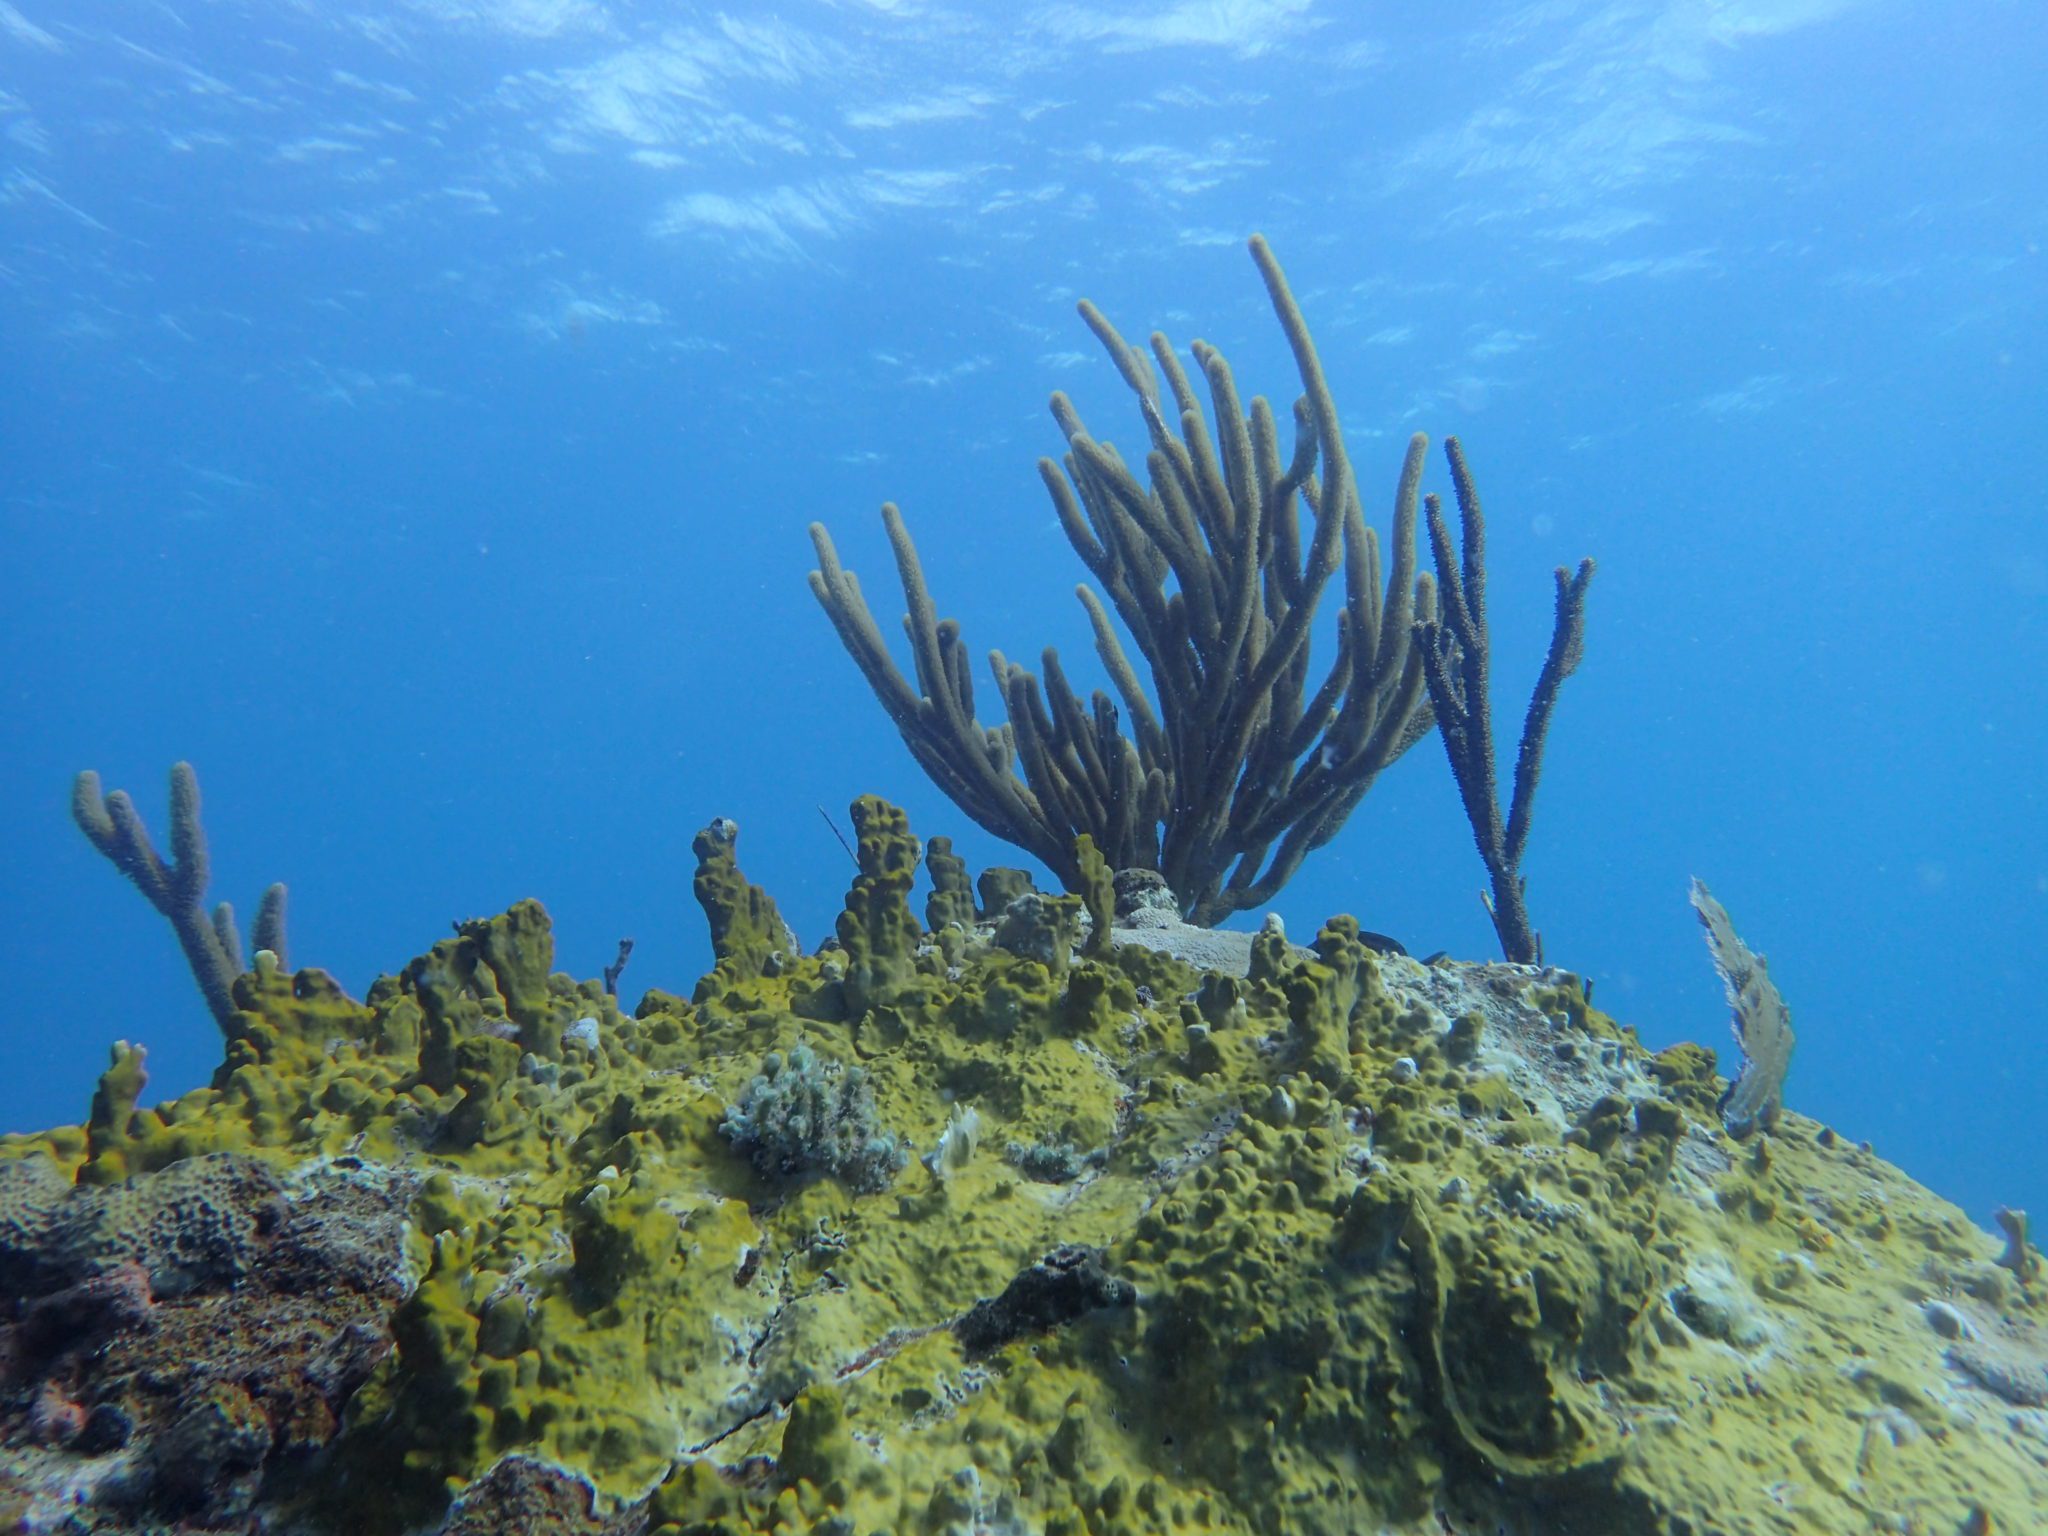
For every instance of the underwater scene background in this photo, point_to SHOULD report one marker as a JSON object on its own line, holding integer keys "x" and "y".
{"x": 412, "y": 414}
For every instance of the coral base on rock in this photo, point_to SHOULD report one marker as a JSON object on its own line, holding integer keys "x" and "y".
{"x": 1328, "y": 1241}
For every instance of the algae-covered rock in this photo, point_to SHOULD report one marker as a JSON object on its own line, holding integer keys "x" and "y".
{"x": 1206, "y": 1233}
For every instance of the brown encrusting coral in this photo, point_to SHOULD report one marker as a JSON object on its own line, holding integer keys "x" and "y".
{"x": 192, "y": 1336}
{"x": 1239, "y": 764}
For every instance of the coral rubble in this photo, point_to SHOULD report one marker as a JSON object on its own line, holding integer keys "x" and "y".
{"x": 1320, "y": 1240}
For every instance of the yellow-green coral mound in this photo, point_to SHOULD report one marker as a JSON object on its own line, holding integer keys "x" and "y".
{"x": 1028, "y": 1225}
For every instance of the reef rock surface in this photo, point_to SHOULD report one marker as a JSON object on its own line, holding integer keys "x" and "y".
{"x": 1007, "y": 1221}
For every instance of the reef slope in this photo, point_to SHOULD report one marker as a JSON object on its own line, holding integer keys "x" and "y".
{"x": 1009, "y": 1220}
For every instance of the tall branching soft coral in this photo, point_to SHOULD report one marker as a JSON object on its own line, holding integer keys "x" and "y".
{"x": 1238, "y": 765}
{"x": 177, "y": 889}
{"x": 1457, "y": 658}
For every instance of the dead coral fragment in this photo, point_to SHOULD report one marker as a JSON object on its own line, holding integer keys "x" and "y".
{"x": 1762, "y": 1022}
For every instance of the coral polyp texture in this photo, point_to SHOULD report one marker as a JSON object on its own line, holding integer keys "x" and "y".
{"x": 1024, "y": 1223}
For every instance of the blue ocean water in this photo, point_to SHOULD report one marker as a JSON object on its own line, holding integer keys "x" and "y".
{"x": 411, "y": 413}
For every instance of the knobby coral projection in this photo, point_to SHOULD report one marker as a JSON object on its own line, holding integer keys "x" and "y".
{"x": 1240, "y": 762}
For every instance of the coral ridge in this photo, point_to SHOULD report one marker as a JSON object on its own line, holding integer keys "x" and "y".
{"x": 1306, "y": 1238}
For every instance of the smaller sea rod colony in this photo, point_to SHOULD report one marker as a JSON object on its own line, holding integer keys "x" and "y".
{"x": 1046, "y": 1213}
